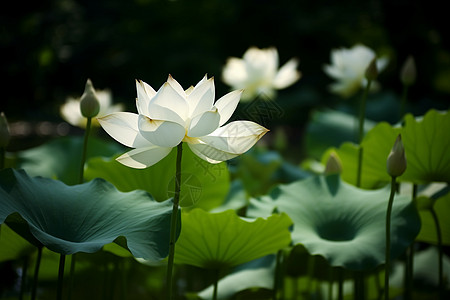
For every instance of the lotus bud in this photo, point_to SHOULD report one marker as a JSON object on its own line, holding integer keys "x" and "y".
{"x": 396, "y": 161}
{"x": 89, "y": 104}
{"x": 372, "y": 70}
{"x": 408, "y": 72}
{"x": 334, "y": 165}
{"x": 4, "y": 131}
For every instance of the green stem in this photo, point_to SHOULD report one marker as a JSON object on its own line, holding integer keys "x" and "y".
{"x": 388, "y": 239}
{"x": 277, "y": 275}
{"x": 23, "y": 277}
{"x": 216, "y": 283}
{"x": 72, "y": 274}
{"x": 403, "y": 101}
{"x": 409, "y": 260}
{"x": 36, "y": 274}
{"x": 340, "y": 275}
{"x": 173, "y": 221}
{"x": 359, "y": 285}
{"x": 362, "y": 117}
{"x": 83, "y": 155}
{"x": 62, "y": 261}
{"x": 441, "y": 253}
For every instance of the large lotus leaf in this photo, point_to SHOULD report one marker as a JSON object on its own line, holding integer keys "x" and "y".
{"x": 340, "y": 222}
{"x": 61, "y": 158}
{"x": 222, "y": 240}
{"x": 330, "y": 128}
{"x": 203, "y": 184}
{"x": 427, "y": 147}
{"x": 258, "y": 273}
{"x": 83, "y": 218}
{"x": 428, "y": 231}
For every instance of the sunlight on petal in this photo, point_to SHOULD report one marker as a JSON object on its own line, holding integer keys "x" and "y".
{"x": 227, "y": 105}
{"x": 287, "y": 75}
{"x": 210, "y": 154}
{"x": 176, "y": 86}
{"x": 204, "y": 124}
{"x": 143, "y": 157}
{"x": 123, "y": 127}
{"x": 144, "y": 93}
{"x": 201, "y": 98}
{"x": 168, "y": 105}
{"x": 161, "y": 133}
{"x": 236, "y": 137}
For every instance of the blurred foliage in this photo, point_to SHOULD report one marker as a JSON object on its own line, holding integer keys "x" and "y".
{"x": 50, "y": 47}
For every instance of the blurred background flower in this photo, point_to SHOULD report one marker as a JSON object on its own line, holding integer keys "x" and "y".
{"x": 348, "y": 67}
{"x": 257, "y": 73}
{"x": 70, "y": 110}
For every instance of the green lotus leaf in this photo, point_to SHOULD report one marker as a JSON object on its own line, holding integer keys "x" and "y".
{"x": 17, "y": 246}
{"x": 222, "y": 240}
{"x": 258, "y": 273}
{"x": 427, "y": 144}
{"x": 330, "y": 128}
{"x": 203, "y": 184}
{"x": 84, "y": 218}
{"x": 61, "y": 158}
{"x": 340, "y": 222}
{"x": 428, "y": 231}
{"x": 427, "y": 148}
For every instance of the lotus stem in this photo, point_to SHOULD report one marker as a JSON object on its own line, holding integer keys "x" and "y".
{"x": 359, "y": 285}
{"x": 362, "y": 117}
{"x": 83, "y": 154}
{"x": 173, "y": 221}
{"x": 403, "y": 101}
{"x": 216, "y": 283}
{"x": 409, "y": 260}
{"x": 340, "y": 275}
{"x": 23, "y": 277}
{"x": 62, "y": 262}
{"x": 441, "y": 253}
{"x": 388, "y": 238}
{"x": 278, "y": 276}
{"x": 36, "y": 273}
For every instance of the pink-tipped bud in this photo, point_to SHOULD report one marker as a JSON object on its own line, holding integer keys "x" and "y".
{"x": 396, "y": 161}
{"x": 89, "y": 104}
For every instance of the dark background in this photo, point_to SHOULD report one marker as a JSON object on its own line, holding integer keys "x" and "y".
{"x": 50, "y": 48}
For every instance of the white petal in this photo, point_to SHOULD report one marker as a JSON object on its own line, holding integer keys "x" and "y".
{"x": 234, "y": 73}
{"x": 70, "y": 111}
{"x": 236, "y": 137}
{"x": 287, "y": 74}
{"x": 176, "y": 86}
{"x": 168, "y": 105}
{"x": 144, "y": 94}
{"x": 210, "y": 154}
{"x": 123, "y": 127}
{"x": 201, "y": 98}
{"x": 143, "y": 157}
{"x": 204, "y": 124}
{"x": 227, "y": 105}
{"x": 161, "y": 133}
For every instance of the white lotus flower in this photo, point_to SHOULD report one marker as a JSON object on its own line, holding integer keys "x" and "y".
{"x": 174, "y": 115}
{"x": 348, "y": 67}
{"x": 257, "y": 73}
{"x": 71, "y": 113}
